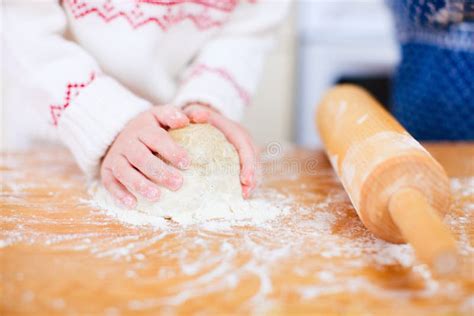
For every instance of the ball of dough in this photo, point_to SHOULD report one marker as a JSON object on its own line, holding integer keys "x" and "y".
{"x": 211, "y": 185}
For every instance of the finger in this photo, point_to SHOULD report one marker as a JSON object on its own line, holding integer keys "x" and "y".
{"x": 170, "y": 116}
{"x": 134, "y": 180}
{"x": 247, "y": 191}
{"x": 197, "y": 114}
{"x": 238, "y": 138}
{"x": 159, "y": 141}
{"x": 117, "y": 190}
{"x": 200, "y": 114}
{"x": 141, "y": 157}
{"x": 253, "y": 185}
{"x": 254, "y": 162}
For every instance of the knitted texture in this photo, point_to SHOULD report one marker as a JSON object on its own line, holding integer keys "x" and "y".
{"x": 433, "y": 92}
{"x": 82, "y": 69}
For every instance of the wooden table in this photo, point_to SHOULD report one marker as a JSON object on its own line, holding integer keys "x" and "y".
{"x": 59, "y": 255}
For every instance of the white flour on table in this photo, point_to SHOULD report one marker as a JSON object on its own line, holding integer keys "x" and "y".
{"x": 229, "y": 252}
{"x": 265, "y": 205}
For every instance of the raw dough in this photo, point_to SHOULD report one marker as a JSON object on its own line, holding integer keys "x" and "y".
{"x": 211, "y": 187}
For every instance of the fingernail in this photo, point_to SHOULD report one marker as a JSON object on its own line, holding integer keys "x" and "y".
{"x": 246, "y": 192}
{"x": 180, "y": 115}
{"x": 184, "y": 164}
{"x": 199, "y": 116}
{"x": 152, "y": 193}
{"x": 247, "y": 178}
{"x": 175, "y": 182}
{"x": 128, "y": 201}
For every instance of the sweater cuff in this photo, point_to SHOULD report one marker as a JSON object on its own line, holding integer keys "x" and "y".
{"x": 216, "y": 87}
{"x": 94, "y": 119}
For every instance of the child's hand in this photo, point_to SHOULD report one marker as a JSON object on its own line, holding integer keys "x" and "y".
{"x": 236, "y": 135}
{"x": 130, "y": 166}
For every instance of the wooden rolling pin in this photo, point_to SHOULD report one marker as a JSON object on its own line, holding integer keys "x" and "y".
{"x": 398, "y": 189}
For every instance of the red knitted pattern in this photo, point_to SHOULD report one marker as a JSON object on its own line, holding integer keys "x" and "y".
{"x": 204, "y": 14}
{"x": 202, "y": 68}
{"x": 72, "y": 91}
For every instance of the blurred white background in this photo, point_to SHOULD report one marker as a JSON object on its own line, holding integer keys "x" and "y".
{"x": 322, "y": 42}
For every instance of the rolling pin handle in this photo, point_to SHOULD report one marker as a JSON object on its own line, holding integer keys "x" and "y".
{"x": 422, "y": 227}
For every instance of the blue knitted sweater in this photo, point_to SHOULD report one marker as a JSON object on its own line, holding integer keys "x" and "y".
{"x": 433, "y": 89}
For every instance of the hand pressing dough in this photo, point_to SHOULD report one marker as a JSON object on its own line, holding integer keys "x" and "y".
{"x": 211, "y": 187}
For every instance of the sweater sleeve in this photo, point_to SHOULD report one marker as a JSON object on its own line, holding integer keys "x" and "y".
{"x": 63, "y": 84}
{"x": 227, "y": 69}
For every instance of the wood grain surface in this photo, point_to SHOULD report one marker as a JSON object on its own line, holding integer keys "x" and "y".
{"x": 60, "y": 255}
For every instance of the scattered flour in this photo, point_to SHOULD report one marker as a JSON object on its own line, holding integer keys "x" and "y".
{"x": 362, "y": 119}
{"x": 265, "y": 205}
{"x": 218, "y": 255}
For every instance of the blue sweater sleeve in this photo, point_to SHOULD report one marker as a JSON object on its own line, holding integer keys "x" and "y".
{"x": 433, "y": 88}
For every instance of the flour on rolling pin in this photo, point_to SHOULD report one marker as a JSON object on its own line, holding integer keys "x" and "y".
{"x": 399, "y": 191}
{"x": 376, "y": 148}
{"x": 362, "y": 119}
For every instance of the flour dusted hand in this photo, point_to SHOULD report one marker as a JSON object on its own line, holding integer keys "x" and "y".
{"x": 144, "y": 157}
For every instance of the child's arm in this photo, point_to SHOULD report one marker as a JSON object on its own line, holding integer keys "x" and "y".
{"x": 225, "y": 75}
{"x": 63, "y": 84}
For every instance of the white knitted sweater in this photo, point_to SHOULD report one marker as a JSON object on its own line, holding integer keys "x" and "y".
{"x": 81, "y": 69}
